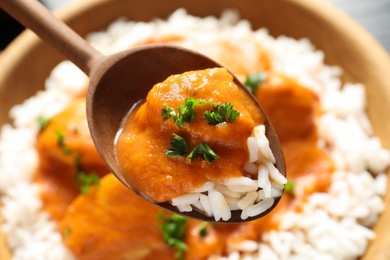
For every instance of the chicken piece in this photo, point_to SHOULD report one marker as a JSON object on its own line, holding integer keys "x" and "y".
{"x": 112, "y": 222}
{"x": 65, "y": 148}
{"x": 292, "y": 108}
{"x": 293, "y": 111}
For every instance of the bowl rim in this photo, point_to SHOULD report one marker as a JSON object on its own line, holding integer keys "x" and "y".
{"x": 343, "y": 23}
{"x": 10, "y": 57}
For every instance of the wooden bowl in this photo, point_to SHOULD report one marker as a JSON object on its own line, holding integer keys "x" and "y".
{"x": 27, "y": 61}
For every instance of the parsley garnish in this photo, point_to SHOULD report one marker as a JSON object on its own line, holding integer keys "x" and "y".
{"x": 289, "y": 187}
{"x": 68, "y": 231}
{"x": 203, "y": 229}
{"x": 168, "y": 112}
{"x": 84, "y": 181}
{"x": 61, "y": 142}
{"x": 253, "y": 80}
{"x": 66, "y": 150}
{"x": 221, "y": 113}
{"x": 173, "y": 229}
{"x": 42, "y": 122}
{"x": 75, "y": 129}
{"x": 179, "y": 146}
{"x": 60, "y": 138}
{"x": 203, "y": 149}
{"x": 186, "y": 112}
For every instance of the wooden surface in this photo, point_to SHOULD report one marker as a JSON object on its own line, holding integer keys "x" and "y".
{"x": 344, "y": 42}
{"x": 373, "y": 15}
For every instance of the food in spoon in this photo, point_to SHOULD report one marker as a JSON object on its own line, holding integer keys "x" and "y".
{"x": 336, "y": 166}
{"x": 200, "y": 143}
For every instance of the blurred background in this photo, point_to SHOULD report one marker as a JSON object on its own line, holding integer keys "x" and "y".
{"x": 374, "y": 15}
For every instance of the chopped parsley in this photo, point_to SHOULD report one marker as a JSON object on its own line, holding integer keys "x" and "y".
{"x": 203, "y": 229}
{"x": 173, "y": 228}
{"x": 179, "y": 146}
{"x": 61, "y": 142}
{"x": 85, "y": 181}
{"x": 168, "y": 112}
{"x": 60, "y": 138}
{"x": 42, "y": 122}
{"x": 203, "y": 149}
{"x": 186, "y": 112}
{"x": 221, "y": 113}
{"x": 253, "y": 80}
{"x": 68, "y": 231}
{"x": 66, "y": 151}
{"x": 289, "y": 187}
{"x": 75, "y": 129}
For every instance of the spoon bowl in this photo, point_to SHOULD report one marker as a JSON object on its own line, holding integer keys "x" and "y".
{"x": 120, "y": 80}
{"x": 153, "y": 63}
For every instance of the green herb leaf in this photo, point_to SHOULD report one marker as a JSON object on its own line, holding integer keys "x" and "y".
{"x": 186, "y": 112}
{"x": 221, "y": 113}
{"x": 60, "y": 138}
{"x": 203, "y": 149}
{"x": 84, "y": 181}
{"x": 77, "y": 162}
{"x": 179, "y": 146}
{"x": 68, "y": 231}
{"x": 173, "y": 229}
{"x": 168, "y": 112}
{"x": 42, "y": 122}
{"x": 66, "y": 150}
{"x": 203, "y": 229}
{"x": 289, "y": 187}
{"x": 61, "y": 142}
{"x": 253, "y": 80}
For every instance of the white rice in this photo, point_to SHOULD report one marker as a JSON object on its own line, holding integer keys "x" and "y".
{"x": 241, "y": 193}
{"x": 332, "y": 225}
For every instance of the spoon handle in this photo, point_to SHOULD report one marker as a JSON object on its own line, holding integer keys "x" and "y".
{"x": 40, "y": 20}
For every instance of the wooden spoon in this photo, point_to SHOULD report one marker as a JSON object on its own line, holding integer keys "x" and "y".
{"x": 118, "y": 81}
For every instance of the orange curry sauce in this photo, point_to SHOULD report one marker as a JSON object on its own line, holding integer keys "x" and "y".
{"x": 141, "y": 147}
